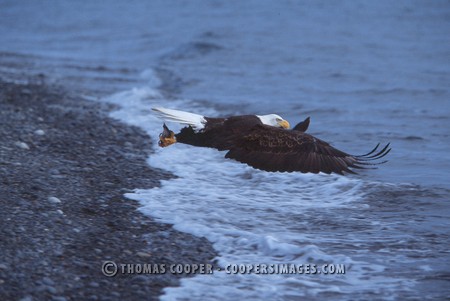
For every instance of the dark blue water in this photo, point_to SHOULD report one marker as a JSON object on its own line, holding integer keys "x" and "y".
{"x": 366, "y": 72}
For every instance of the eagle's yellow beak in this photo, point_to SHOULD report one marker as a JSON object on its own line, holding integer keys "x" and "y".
{"x": 284, "y": 124}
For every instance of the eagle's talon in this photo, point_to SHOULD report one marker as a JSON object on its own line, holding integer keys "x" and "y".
{"x": 166, "y": 138}
{"x": 165, "y": 142}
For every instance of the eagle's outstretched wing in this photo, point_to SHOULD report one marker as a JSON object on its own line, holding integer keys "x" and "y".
{"x": 273, "y": 149}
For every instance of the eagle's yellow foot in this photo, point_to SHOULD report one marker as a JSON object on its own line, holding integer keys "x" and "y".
{"x": 167, "y": 137}
{"x": 164, "y": 142}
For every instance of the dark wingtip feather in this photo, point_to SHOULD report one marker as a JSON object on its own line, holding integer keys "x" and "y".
{"x": 366, "y": 161}
{"x": 302, "y": 126}
{"x": 370, "y": 156}
{"x": 371, "y": 152}
{"x": 380, "y": 152}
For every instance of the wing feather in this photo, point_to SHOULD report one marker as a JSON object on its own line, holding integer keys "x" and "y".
{"x": 273, "y": 149}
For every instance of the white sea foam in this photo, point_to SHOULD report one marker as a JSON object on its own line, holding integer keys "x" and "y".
{"x": 250, "y": 216}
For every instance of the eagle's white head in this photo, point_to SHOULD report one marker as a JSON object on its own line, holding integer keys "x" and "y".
{"x": 274, "y": 120}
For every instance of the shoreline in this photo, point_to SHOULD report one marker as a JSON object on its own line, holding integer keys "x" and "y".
{"x": 64, "y": 167}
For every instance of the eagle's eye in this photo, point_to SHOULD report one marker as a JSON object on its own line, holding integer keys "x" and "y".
{"x": 278, "y": 119}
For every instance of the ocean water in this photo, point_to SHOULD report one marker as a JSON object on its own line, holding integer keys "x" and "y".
{"x": 366, "y": 72}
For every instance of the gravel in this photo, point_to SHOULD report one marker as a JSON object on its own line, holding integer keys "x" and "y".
{"x": 64, "y": 166}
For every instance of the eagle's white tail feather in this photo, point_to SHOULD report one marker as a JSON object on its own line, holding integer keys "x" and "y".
{"x": 194, "y": 120}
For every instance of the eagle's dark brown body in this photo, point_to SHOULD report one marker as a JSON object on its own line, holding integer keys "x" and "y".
{"x": 270, "y": 148}
{"x": 219, "y": 133}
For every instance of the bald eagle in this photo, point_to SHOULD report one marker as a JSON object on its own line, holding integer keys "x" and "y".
{"x": 265, "y": 142}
